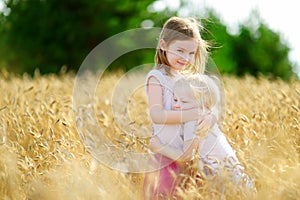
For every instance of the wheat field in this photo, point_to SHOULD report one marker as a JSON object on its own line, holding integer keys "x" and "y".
{"x": 43, "y": 156}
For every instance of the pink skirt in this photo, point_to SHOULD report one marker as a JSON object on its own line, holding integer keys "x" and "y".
{"x": 162, "y": 181}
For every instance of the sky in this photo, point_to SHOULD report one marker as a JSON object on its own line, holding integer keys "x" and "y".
{"x": 280, "y": 16}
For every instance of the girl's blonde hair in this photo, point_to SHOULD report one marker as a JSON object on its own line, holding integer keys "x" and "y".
{"x": 204, "y": 88}
{"x": 177, "y": 28}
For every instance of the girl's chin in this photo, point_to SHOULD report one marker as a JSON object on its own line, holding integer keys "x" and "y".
{"x": 181, "y": 65}
{"x": 180, "y": 68}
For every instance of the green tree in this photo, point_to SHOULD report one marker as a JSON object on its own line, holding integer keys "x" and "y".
{"x": 51, "y": 33}
{"x": 262, "y": 52}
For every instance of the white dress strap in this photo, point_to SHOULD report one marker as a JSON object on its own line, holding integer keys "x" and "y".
{"x": 166, "y": 84}
{"x": 158, "y": 75}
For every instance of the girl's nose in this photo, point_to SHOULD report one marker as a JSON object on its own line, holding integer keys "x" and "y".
{"x": 186, "y": 57}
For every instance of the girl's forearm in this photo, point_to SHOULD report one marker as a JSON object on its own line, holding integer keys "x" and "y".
{"x": 179, "y": 155}
{"x": 170, "y": 152}
{"x": 160, "y": 116}
{"x": 157, "y": 147}
{"x": 190, "y": 146}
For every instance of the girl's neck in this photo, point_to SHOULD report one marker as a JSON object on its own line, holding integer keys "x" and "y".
{"x": 174, "y": 72}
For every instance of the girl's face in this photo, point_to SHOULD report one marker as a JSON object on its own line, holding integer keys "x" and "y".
{"x": 180, "y": 53}
{"x": 184, "y": 99}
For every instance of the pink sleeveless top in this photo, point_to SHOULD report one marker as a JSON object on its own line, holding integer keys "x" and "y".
{"x": 168, "y": 134}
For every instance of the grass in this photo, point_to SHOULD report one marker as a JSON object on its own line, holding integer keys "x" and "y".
{"x": 43, "y": 156}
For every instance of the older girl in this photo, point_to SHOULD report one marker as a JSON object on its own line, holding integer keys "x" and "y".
{"x": 180, "y": 51}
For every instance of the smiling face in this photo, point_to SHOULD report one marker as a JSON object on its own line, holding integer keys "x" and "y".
{"x": 180, "y": 53}
{"x": 184, "y": 99}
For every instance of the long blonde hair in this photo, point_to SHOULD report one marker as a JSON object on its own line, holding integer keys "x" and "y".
{"x": 177, "y": 28}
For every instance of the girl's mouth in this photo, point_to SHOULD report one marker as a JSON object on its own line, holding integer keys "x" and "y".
{"x": 182, "y": 63}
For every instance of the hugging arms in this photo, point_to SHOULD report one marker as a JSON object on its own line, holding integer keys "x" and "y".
{"x": 186, "y": 109}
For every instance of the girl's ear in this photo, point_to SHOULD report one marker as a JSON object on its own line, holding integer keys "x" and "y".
{"x": 162, "y": 45}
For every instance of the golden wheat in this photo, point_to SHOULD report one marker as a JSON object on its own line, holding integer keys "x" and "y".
{"x": 43, "y": 156}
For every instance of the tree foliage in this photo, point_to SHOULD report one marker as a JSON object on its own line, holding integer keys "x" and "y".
{"x": 51, "y": 33}
{"x": 48, "y": 34}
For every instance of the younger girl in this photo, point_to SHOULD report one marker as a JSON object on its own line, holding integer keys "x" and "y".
{"x": 181, "y": 50}
{"x": 215, "y": 152}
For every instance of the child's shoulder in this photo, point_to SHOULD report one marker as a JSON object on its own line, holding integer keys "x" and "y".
{"x": 157, "y": 73}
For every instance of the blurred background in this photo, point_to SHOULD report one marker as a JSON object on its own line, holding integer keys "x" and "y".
{"x": 51, "y": 35}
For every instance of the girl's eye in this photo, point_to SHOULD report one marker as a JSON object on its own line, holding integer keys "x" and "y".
{"x": 175, "y": 100}
{"x": 179, "y": 50}
{"x": 192, "y": 53}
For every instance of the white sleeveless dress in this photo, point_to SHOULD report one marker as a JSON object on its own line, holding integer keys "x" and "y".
{"x": 170, "y": 135}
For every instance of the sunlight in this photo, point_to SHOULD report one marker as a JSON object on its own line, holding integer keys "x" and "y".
{"x": 279, "y": 16}
{"x": 1, "y": 5}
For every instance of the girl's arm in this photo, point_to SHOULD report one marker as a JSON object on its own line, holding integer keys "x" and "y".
{"x": 157, "y": 147}
{"x": 157, "y": 112}
{"x": 178, "y": 155}
{"x": 206, "y": 122}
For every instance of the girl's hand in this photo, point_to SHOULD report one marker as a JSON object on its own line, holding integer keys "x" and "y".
{"x": 205, "y": 123}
